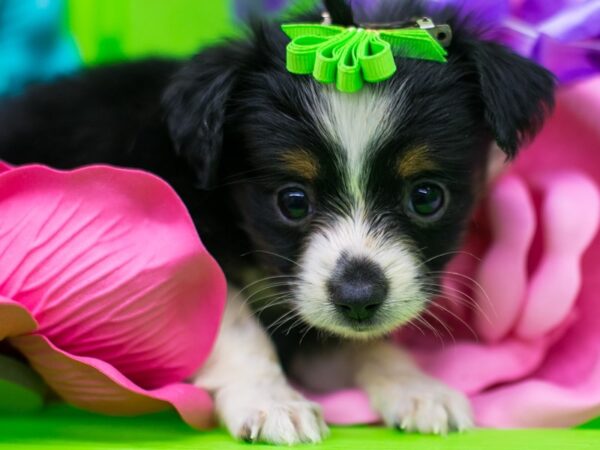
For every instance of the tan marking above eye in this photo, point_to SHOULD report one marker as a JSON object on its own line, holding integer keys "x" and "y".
{"x": 415, "y": 161}
{"x": 302, "y": 163}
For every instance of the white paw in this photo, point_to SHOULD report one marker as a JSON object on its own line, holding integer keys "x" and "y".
{"x": 421, "y": 404}
{"x": 272, "y": 414}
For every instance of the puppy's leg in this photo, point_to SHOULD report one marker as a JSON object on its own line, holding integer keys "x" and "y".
{"x": 404, "y": 396}
{"x": 252, "y": 396}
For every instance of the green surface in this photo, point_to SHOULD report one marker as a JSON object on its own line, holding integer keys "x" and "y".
{"x": 21, "y": 389}
{"x": 61, "y": 427}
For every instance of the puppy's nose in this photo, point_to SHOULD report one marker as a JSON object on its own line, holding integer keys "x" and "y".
{"x": 357, "y": 288}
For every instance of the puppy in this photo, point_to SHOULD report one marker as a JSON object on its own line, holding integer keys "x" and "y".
{"x": 332, "y": 214}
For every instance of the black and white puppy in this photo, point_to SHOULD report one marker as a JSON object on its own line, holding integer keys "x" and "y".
{"x": 343, "y": 208}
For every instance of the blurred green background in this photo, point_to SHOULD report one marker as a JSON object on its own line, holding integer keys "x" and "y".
{"x": 108, "y": 30}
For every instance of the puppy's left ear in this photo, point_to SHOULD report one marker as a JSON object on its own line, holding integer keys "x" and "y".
{"x": 517, "y": 94}
{"x": 196, "y": 104}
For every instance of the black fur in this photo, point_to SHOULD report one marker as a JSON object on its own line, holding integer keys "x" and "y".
{"x": 195, "y": 106}
{"x": 340, "y": 12}
{"x": 516, "y": 93}
{"x": 214, "y": 127}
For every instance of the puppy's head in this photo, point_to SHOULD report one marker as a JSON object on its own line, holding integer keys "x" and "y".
{"x": 359, "y": 198}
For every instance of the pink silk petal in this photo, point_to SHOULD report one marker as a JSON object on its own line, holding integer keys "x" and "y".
{"x": 502, "y": 272}
{"x": 473, "y": 367}
{"x": 14, "y": 319}
{"x": 538, "y": 403}
{"x": 109, "y": 263}
{"x": 565, "y": 389}
{"x": 345, "y": 407}
{"x": 94, "y": 385}
{"x": 557, "y": 279}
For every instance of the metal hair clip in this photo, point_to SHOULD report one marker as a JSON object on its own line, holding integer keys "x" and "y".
{"x": 441, "y": 33}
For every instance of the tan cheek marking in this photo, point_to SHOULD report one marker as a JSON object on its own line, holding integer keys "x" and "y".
{"x": 415, "y": 161}
{"x": 302, "y": 163}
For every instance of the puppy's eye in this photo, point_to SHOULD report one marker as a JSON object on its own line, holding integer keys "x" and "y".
{"x": 294, "y": 203}
{"x": 427, "y": 200}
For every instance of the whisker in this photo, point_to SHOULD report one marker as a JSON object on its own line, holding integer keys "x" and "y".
{"x": 266, "y": 288}
{"x": 441, "y": 322}
{"x": 266, "y": 252}
{"x": 298, "y": 321}
{"x": 262, "y": 294}
{"x": 262, "y": 280}
{"x": 471, "y": 330}
{"x": 281, "y": 300}
{"x": 430, "y": 327}
{"x": 472, "y": 280}
{"x": 415, "y": 325}
{"x": 249, "y": 299}
{"x": 455, "y": 252}
{"x": 308, "y": 328}
{"x": 290, "y": 315}
{"x": 461, "y": 297}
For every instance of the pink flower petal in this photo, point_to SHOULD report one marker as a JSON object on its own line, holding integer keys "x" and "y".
{"x": 14, "y": 319}
{"x": 557, "y": 279}
{"x": 564, "y": 389}
{"x": 502, "y": 273}
{"x": 345, "y": 407}
{"x": 110, "y": 265}
{"x": 94, "y": 385}
{"x": 128, "y": 301}
{"x": 538, "y": 403}
{"x": 472, "y": 367}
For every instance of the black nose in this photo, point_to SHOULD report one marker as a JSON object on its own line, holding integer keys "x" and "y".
{"x": 357, "y": 288}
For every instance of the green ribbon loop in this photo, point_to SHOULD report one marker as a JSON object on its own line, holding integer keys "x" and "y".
{"x": 350, "y": 56}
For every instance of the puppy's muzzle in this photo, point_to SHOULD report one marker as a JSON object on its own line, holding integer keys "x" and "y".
{"x": 357, "y": 288}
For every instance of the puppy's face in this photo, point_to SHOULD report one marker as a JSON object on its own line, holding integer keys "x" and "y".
{"x": 360, "y": 197}
{"x": 358, "y": 200}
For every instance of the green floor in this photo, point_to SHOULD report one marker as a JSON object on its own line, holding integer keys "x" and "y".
{"x": 60, "y": 427}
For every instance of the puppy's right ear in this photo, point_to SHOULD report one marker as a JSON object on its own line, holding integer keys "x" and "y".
{"x": 195, "y": 103}
{"x": 517, "y": 93}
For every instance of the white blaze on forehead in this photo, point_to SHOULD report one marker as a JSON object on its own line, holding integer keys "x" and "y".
{"x": 354, "y": 122}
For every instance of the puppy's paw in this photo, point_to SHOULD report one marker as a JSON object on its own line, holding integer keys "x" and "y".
{"x": 272, "y": 414}
{"x": 422, "y": 404}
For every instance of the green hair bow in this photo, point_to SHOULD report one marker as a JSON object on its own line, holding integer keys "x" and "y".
{"x": 349, "y": 56}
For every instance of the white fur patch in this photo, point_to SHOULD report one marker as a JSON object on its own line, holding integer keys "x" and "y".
{"x": 252, "y": 396}
{"x": 356, "y": 123}
{"x": 354, "y": 236}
